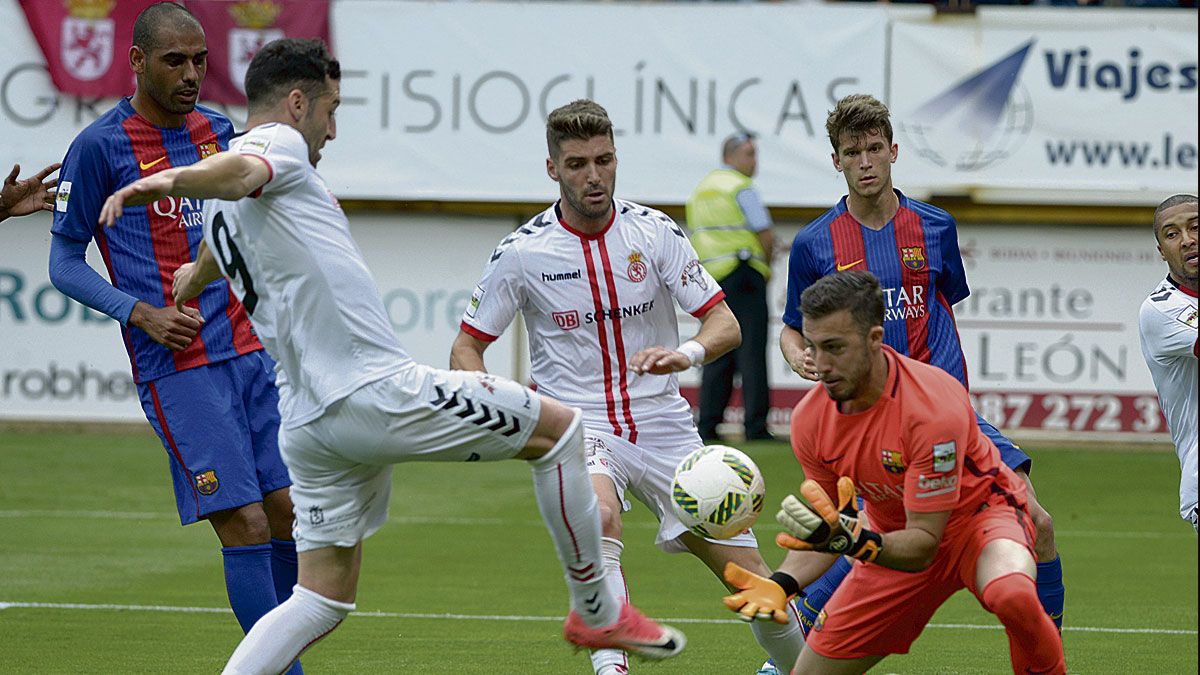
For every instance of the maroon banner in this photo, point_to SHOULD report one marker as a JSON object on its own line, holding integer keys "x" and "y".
{"x": 237, "y": 29}
{"x": 86, "y": 43}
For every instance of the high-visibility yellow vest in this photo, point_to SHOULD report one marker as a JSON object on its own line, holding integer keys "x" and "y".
{"x": 718, "y": 226}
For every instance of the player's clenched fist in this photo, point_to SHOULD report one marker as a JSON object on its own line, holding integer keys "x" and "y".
{"x": 759, "y": 597}
{"x": 815, "y": 524}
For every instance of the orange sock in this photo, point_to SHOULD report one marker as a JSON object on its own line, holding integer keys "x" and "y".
{"x": 1033, "y": 642}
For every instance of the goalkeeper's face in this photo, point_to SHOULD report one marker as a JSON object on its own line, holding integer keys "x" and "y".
{"x": 843, "y": 355}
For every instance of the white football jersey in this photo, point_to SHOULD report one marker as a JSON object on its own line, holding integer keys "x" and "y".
{"x": 290, "y": 259}
{"x": 1167, "y": 323}
{"x": 590, "y": 303}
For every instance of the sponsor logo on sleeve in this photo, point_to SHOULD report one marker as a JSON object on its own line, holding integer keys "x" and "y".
{"x": 256, "y": 145}
{"x": 476, "y": 298}
{"x": 945, "y": 455}
{"x": 62, "y": 196}
{"x": 936, "y": 486}
{"x": 693, "y": 273}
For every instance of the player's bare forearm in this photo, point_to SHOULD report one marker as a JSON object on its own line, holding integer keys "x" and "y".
{"x": 806, "y": 566}
{"x": 191, "y": 278}
{"x": 791, "y": 344}
{"x": 913, "y": 548}
{"x": 719, "y": 332}
{"x": 467, "y": 353}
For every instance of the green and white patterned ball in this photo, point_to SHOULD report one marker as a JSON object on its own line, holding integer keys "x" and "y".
{"x": 717, "y": 492}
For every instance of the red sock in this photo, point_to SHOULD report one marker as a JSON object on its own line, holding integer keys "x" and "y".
{"x": 1033, "y": 641}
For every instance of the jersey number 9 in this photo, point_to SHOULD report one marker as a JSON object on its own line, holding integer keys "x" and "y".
{"x": 231, "y": 261}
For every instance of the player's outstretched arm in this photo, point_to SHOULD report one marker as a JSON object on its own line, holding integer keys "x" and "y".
{"x": 30, "y": 195}
{"x": 719, "y": 333}
{"x": 226, "y": 175}
{"x": 191, "y": 278}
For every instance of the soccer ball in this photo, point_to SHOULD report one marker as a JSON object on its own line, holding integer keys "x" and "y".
{"x": 717, "y": 492}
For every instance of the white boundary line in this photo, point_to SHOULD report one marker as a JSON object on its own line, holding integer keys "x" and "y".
{"x": 476, "y": 521}
{"x": 509, "y": 617}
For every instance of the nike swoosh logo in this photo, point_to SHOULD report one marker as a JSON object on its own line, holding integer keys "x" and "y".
{"x": 147, "y": 165}
{"x": 840, "y": 267}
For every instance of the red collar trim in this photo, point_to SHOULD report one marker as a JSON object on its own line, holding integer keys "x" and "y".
{"x": 1183, "y": 289}
{"x": 583, "y": 235}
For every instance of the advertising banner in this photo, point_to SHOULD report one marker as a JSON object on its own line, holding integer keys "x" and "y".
{"x": 1050, "y": 330}
{"x": 61, "y": 361}
{"x": 1018, "y": 104}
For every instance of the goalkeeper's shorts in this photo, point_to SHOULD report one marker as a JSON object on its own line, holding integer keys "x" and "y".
{"x": 879, "y": 611}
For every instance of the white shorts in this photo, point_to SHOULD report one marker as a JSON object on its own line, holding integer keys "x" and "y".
{"x": 341, "y": 462}
{"x": 646, "y": 469}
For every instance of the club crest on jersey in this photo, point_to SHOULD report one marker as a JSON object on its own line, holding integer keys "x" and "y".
{"x": 893, "y": 462}
{"x": 208, "y": 149}
{"x": 637, "y": 268}
{"x": 206, "y": 482}
{"x": 693, "y": 273}
{"x": 566, "y": 320}
{"x": 913, "y": 257}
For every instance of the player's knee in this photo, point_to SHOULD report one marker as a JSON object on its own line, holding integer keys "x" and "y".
{"x": 1011, "y": 597}
{"x": 610, "y": 520}
{"x": 556, "y": 428}
{"x": 243, "y": 526}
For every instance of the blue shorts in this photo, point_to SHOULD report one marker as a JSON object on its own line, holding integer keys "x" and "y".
{"x": 220, "y": 427}
{"x": 1011, "y": 453}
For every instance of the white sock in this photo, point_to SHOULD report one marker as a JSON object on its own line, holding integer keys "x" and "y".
{"x": 568, "y": 505}
{"x": 606, "y": 661}
{"x": 781, "y": 642}
{"x": 281, "y": 634}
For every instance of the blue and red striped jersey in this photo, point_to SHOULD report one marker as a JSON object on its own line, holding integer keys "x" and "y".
{"x": 918, "y": 264}
{"x": 148, "y": 243}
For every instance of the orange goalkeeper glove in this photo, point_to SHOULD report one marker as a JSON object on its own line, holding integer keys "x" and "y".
{"x": 816, "y": 525}
{"x": 758, "y": 597}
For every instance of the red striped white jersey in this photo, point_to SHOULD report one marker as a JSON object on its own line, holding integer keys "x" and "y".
{"x": 590, "y": 302}
{"x": 1167, "y": 323}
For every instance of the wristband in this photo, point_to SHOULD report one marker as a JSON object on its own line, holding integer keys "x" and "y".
{"x": 787, "y": 582}
{"x": 693, "y": 350}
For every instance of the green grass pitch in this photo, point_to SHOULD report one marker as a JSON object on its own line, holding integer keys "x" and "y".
{"x": 99, "y": 577}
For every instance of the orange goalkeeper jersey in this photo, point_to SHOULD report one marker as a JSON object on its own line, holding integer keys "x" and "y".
{"x": 917, "y": 448}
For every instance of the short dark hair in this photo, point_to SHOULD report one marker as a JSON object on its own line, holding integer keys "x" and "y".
{"x": 154, "y": 18}
{"x": 286, "y": 64}
{"x": 579, "y": 120}
{"x": 735, "y": 141}
{"x": 855, "y": 290}
{"x": 1173, "y": 200}
{"x": 858, "y": 115}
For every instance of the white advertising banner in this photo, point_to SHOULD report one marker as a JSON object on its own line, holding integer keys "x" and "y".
{"x": 446, "y": 101}
{"x": 59, "y": 360}
{"x": 1033, "y": 104}
{"x": 1049, "y": 331}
